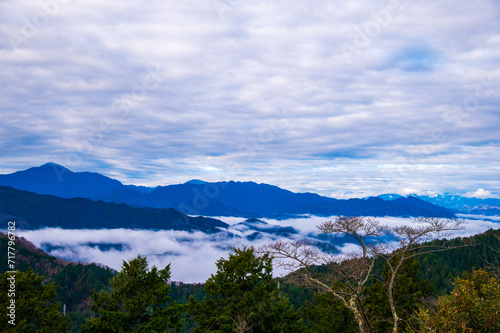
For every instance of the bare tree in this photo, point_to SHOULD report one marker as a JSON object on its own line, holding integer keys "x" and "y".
{"x": 346, "y": 275}
{"x": 413, "y": 240}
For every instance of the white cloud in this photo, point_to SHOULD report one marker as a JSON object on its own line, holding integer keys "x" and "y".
{"x": 481, "y": 193}
{"x": 422, "y": 94}
{"x": 192, "y": 255}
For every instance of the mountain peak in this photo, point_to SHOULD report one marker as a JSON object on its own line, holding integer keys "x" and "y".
{"x": 55, "y": 179}
{"x": 228, "y": 198}
{"x": 54, "y": 166}
{"x": 196, "y": 182}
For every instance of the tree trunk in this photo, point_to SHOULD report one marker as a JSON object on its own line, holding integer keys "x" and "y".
{"x": 358, "y": 316}
{"x": 395, "y": 317}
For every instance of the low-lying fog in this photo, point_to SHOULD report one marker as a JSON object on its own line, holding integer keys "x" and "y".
{"x": 192, "y": 255}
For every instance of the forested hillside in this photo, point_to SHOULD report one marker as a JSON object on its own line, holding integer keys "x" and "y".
{"x": 429, "y": 277}
{"x": 35, "y": 211}
{"x": 443, "y": 267}
{"x": 74, "y": 281}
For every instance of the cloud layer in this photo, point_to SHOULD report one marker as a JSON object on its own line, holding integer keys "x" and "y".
{"x": 353, "y": 98}
{"x": 192, "y": 255}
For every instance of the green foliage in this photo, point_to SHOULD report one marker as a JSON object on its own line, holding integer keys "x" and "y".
{"x": 243, "y": 297}
{"x": 180, "y": 292}
{"x": 473, "y": 306}
{"x": 74, "y": 282}
{"x": 136, "y": 303}
{"x": 442, "y": 268}
{"x": 298, "y": 295}
{"x": 327, "y": 314}
{"x": 35, "y": 309}
{"x": 409, "y": 291}
{"x": 230, "y": 290}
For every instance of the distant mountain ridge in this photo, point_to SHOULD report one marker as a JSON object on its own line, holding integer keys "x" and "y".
{"x": 196, "y": 197}
{"x": 249, "y": 199}
{"x": 34, "y": 211}
{"x": 54, "y": 179}
{"x": 457, "y": 203}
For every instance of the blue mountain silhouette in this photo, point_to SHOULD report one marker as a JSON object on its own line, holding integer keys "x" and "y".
{"x": 244, "y": 199}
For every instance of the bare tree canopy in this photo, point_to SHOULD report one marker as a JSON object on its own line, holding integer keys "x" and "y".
{"x": 346, "y": 275}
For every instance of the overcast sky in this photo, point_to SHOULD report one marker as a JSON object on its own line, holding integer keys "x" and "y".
{"x": 343, "y": 98}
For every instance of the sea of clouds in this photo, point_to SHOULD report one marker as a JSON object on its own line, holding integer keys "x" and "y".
{"x": 192, "y": 255}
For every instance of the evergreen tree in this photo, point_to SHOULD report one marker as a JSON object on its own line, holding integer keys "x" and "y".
{"x": 409, "y": 291}
{"x": 327, "y": 314}
{"x": 243, "y": 297}
{"x": 137, "y": 302}
{"x": 35, "y": 309}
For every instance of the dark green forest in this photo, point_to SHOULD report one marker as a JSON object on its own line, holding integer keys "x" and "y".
{"x": 456, "y": 290}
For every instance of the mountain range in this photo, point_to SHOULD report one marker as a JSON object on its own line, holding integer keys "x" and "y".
{"x": 54, "y": 179}
{"x": 34, "y": 211}
{"x": 241, "y": 199}
{"x": 457, "y": 203}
